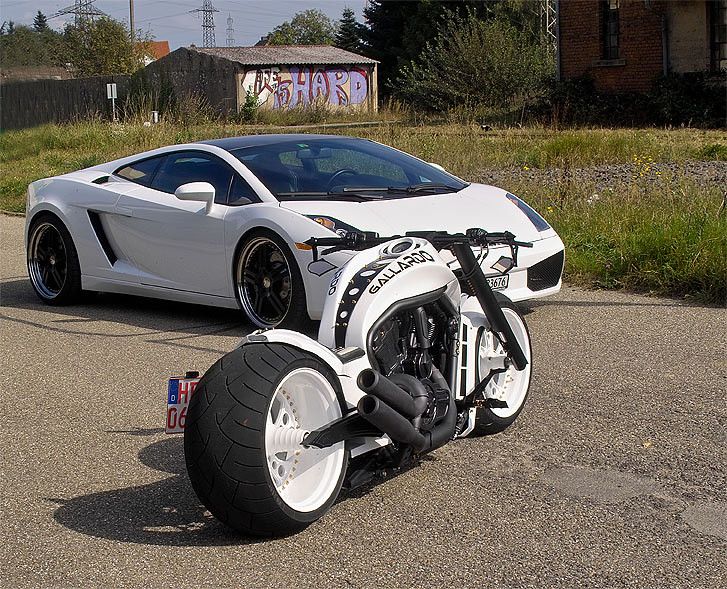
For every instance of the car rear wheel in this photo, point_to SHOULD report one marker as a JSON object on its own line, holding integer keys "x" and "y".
{"x": 268, "y": 283}
{"x": 53, "y": 266}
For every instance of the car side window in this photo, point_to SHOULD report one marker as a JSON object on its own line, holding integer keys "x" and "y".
{"x": 141, "y": 172}
{"x": 194, "y": 166}
{"x": 241, "y": 192}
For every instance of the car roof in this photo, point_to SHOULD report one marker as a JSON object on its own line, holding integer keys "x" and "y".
{"x": 232, "y": 143}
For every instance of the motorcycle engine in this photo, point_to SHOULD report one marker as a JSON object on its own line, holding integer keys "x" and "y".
{"x": 416, "y": 342}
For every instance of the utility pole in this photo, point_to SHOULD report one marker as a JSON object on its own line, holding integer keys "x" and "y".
{"x": 131, "y": 20}
{"x": 230, "y": 30}
{"x": 208, "y": 23}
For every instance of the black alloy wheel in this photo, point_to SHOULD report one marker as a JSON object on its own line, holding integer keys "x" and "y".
{"x": 53, "y": 265}
{"x": 268, "y": 282}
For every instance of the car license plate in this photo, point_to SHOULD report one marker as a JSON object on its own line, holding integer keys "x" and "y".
{"x": 179, "y": 392}
{"x": 499, "y": 282}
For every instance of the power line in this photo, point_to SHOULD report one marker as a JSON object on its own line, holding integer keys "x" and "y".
{"x": 82, "y": 10}
{"x": 208, "y": 23}
{"x": 230, "y": 30}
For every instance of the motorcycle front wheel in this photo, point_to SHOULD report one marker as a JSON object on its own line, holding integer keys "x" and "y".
{"x": 242, "y": 448}
{"x": 511, "y": 386}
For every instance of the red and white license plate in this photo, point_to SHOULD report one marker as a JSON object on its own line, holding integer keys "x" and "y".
{"x": 179, "y": 392}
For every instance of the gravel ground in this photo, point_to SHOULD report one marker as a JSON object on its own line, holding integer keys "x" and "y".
{"x": 704, "y": 173}
{"x": 614, "y": 475}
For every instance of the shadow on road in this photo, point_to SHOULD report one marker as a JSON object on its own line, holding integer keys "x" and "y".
{"x": 158, "y": 321}
{"x": 165, "y": 513}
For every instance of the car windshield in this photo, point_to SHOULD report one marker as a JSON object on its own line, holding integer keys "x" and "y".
{"x": 343, "y": 169}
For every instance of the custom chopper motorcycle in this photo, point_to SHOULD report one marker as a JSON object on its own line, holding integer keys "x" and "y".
{"x": 404, "y": 363}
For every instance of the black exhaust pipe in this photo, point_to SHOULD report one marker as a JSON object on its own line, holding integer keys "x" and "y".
{"x": 393, "y": 421}
{"x": 410, "y": 405}
{"x": 398, "y": 427}
{"x": 444, "y": 431}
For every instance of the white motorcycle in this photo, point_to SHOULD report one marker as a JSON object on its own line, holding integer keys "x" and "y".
{"x": 404, "y": 363}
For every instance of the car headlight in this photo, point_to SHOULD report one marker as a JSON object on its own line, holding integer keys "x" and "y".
{"x": 338, "y": 227}
{"x": 535, "y": 218}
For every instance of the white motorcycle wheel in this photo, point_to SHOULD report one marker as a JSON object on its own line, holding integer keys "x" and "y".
{"x": 242, "y": 439}
{"x": 511, "y": 386}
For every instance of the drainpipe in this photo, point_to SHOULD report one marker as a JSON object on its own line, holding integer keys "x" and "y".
{"x": 664, "y": 36}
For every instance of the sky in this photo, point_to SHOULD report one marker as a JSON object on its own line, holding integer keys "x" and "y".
{"x": 171, "y": 20}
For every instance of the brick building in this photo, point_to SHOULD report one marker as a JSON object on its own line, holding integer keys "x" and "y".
{"x": 625, "y": 45}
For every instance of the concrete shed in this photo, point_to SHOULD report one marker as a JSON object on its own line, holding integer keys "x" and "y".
{"x": 280, "y": 76}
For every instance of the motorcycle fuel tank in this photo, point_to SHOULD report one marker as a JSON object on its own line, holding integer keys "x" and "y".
{"x": 376, "y": 279}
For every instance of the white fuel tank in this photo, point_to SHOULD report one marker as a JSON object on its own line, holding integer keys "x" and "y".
{"x": 376, "y": 279}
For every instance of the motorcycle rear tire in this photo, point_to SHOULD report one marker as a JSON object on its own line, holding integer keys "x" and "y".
{"x": 242, "y": 439}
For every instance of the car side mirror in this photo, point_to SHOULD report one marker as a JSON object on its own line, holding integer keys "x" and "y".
{"x": 437, "y": 166}
{"x": 198, "y": 191}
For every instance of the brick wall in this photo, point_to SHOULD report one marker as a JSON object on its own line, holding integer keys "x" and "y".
{"x": 640, "y": 45}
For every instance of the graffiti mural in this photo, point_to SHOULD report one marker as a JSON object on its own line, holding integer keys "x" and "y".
{"x": 288, "y": 87}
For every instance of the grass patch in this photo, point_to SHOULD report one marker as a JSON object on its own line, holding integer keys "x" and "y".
{"x": 663, "y": 234}
{"x": 666, "y": 236}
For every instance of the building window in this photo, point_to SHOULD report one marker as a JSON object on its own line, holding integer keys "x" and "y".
{"x": 609, "y": 17}
{"x": 718, "y": 34}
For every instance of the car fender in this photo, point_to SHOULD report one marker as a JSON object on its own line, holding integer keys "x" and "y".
{"x": 293, "y": 228}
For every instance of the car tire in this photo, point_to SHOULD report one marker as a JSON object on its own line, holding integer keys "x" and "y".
{"x": 52, "y": 259}
{"x": 268, "y": 283}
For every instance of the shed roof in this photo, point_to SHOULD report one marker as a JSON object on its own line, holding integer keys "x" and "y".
{"x": 286, "y": 55}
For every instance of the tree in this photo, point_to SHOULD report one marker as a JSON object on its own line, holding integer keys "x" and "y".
{"x": 474, "y": 62}
{"x": 397, "y": 31}
{"x": 23, "y": 46}
{"x": 102, "y": 47}
{"x": 348, "y": 36}
{"x": 309, "y": 27}
{"x": 40, "y": 22}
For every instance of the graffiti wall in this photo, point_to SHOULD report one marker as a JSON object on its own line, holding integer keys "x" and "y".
{"x": 288, "y": 87}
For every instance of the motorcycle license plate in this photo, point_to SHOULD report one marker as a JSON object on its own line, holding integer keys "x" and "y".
{"x": 179, "y": 392}
{"x": 499, "y": 282}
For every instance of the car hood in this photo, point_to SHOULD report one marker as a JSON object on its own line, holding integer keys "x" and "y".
{"x": 477, "y": 205}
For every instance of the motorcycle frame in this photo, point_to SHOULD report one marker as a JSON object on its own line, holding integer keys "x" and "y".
{"x": 474, "y": 314}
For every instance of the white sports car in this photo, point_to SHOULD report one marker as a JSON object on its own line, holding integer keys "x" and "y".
{"x": 224, "y": 223}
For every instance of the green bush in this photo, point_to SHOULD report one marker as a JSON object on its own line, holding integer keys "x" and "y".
{"x": 693, "y": 100}
{"x": 478, "y": 65}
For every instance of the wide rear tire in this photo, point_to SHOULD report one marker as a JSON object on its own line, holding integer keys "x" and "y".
{"x": 242, "y": 439}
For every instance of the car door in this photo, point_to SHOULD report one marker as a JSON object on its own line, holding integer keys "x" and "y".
{"x": 178, "y": 244}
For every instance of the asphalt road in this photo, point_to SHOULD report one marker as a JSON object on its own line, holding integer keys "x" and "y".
{"x": 614, "y": 475}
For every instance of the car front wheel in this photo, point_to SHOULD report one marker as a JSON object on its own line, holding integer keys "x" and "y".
{"x": 268, "y": 283}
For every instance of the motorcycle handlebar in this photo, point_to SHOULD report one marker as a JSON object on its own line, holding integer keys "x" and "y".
{"x": 355, "y": 240}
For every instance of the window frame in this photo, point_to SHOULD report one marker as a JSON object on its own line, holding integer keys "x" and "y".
{"x": 212, "y": 156}
{"x": 610, "y": 30}
{"x": 717, "y": 36}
